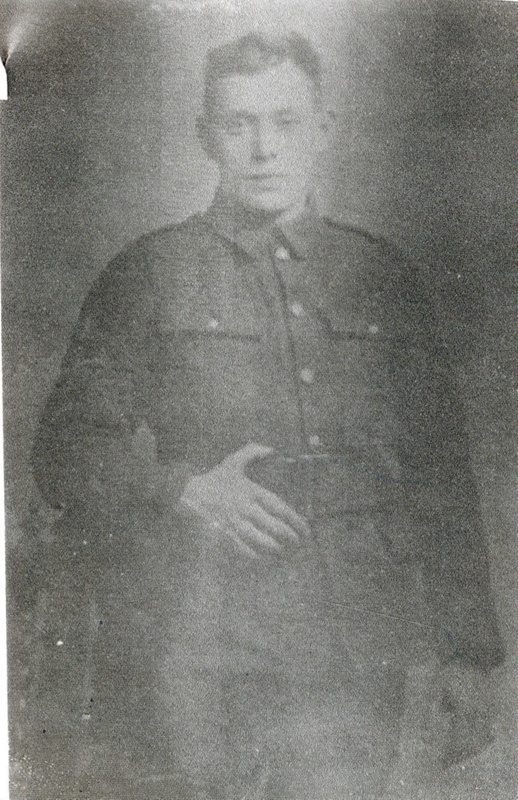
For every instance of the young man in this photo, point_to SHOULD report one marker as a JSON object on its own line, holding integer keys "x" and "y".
{"x": 261, "y": 460}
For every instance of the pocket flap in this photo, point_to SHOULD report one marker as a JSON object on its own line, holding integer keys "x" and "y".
{"x": 363, "y": 323}
{"x": 212, "y": 319}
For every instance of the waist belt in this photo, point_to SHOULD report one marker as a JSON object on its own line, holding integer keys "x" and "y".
{"x": 319, "y": 485}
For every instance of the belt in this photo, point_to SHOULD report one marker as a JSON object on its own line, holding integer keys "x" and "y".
{"x": 326, "y": 484}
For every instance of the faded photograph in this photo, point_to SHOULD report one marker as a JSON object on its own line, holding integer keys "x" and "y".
{"x": 259, "y": 399}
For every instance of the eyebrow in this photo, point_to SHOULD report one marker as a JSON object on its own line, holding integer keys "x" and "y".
{"x": 247, "y": 115}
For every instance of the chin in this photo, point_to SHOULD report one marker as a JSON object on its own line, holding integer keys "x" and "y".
{"x": 270, "y": 208}
{"x": 273, "y": 204}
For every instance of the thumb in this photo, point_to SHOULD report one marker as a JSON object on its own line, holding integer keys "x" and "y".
{"x": 250, "y": 452}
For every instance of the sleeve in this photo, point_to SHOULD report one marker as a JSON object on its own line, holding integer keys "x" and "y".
{"x": 454, "y": 552}
{"x": 114, "y": 565}
{"x": 95, "y": 444}
{"x": 456, "y": 562}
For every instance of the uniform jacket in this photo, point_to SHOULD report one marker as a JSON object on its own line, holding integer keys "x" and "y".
{"x": 311, "y": 338}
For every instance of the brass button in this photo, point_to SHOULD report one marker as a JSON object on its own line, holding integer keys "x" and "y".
{"x": 297, "y": 309}
{"x": 282, "y": 254}
{"x": 307, "y": 375}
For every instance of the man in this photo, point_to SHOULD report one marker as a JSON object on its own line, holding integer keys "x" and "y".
{"x": 262, "y": 468}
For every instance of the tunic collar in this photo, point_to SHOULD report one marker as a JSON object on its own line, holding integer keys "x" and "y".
{"x": 253, "y": 232}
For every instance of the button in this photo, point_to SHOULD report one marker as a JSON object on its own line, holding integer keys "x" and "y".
{"x": 314, "y": 441}
{"x": 373, "y": 329}
{"x": 282, "y": 254}
{"x": 307, "y": 375}
{"x": 297, "y": 309}
{"x": 212, "y": 323}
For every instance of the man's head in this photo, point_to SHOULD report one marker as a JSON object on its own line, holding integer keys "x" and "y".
{"x": 263, "y": 121}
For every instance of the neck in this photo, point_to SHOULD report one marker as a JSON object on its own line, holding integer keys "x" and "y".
{"x": 257, "y": 218}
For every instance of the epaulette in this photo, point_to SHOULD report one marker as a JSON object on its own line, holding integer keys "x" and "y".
{"x": 347, "y": 228}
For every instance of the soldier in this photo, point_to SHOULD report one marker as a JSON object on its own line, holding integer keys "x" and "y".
{"x": 266, "y": 491}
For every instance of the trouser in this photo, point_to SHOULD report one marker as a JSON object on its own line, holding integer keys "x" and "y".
{"x": 282, "y": 678}
{"x": 266, "y": 738}
{"x": 287, "y": 675}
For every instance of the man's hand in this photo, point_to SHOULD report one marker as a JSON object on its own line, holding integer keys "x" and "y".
{"x": 256, "y": 520}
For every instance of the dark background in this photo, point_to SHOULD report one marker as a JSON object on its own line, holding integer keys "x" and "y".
{"x": 98, "y": 147}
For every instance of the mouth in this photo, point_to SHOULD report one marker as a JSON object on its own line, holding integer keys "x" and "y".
{"x": 267, "y": 176}
{"x": 267, "y": 181}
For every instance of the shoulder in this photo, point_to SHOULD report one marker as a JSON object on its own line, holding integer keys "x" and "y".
{"x": 388, "y": 274}
{"x": 371, "y": 253}
{"x": 404, "y": 268}
{"x": 345, "y": 231}
{"x": 388, "y": 252}
{"x": 178, "y": 237}
{"x": 136, "y": 274}
{"x": 178, "y": 242}
{"x": 372, "y": 258}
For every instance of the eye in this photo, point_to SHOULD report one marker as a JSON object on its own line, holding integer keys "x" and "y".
{"x": 288, "y": 122}
{"x": 234, "y": 126}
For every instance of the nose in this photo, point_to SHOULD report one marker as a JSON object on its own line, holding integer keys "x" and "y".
{"x": 264, "y": 143}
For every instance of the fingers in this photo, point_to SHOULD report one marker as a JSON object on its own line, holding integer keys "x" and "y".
{"x": 256, "y": 538}
{"x": 282, "y": 511}
{"x": 266, "y": 532}
{"x": 250, "y": 452}
{"x": 241, "y": 546}
{"x": 254, "y": 534}
{"x": 259, "y": 532}
{"x": 273, "y": 526}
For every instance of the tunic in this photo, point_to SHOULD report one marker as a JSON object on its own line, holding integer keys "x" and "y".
{"x": 320, "y": 341}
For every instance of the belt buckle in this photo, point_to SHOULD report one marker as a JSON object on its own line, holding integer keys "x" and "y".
{"x": 305, "y": 477}
{"x": 316, "y": 480}
{"x": 311, "y": 478}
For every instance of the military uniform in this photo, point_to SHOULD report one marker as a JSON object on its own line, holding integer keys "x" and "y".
{"x": 320, "y": 341}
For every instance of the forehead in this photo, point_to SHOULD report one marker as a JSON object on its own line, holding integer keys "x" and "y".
{"x": 277, "y": 87}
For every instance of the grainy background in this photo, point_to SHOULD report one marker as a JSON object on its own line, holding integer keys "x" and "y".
{"x": 98, "y": 147}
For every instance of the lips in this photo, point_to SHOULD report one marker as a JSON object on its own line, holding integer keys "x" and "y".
{"x": 267, "y": 182}
{"x": 266, "y": 176}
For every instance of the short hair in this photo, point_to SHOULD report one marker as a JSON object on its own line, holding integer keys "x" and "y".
{"x": 256, "y": 52}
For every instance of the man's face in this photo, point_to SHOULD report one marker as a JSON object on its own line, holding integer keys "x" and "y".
{"x": 265, "y": 135}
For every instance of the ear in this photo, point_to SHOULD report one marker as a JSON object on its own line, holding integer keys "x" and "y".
{"x": 206, "y": 137}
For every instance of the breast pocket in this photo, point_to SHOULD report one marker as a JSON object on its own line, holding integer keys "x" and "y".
{"x": 360, "y": 343}
{"x": 210, "y": 339}
{"x": 204, "y": 318}
{"x": 368, "y": 324}
{"x": 212, "y": 369}
{"x": 362, "y": 391}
